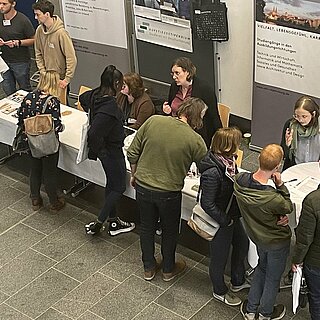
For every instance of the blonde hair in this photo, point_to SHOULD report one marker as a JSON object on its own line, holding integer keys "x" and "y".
{"x": 270, "y": 157}
{"x": 49, "y": 83}
{"x": 226, "y": 141}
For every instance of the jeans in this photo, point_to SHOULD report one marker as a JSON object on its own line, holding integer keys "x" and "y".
{"x": 44, "y": 168}
{"x": 166, "y": 206}
{"x": 312, "y": 275}
{"x": 266, "y": 280}
{"x": 115, "y": 170}
{"x": 17, "y": 73}
{"x": 219, "y": 253}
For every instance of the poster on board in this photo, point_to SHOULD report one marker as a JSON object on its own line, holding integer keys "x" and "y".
{"x": 286, "y": 49}
{"x": 98, "y": 21}
{"x": 164, "y": 22}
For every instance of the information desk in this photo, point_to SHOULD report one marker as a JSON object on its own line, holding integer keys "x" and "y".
{"x": 70, "y": 142}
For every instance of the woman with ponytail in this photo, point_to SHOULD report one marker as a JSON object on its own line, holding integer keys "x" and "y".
{"x": 105, "y": 142}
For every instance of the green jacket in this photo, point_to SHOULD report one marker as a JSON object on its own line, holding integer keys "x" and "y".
{"x": 261, "y": 207}
{"x": 307, "y": 248}
{"x": 163, "y": 149}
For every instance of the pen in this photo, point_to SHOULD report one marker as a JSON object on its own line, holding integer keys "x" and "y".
{"x": 292, "y": 180}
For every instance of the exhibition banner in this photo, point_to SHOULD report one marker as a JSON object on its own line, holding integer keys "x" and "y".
{"x": 98, "y": 21}
{"x": 286, "y": 53}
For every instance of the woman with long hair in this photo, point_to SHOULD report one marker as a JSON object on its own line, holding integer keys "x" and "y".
{"x": 105, "y": 142}
{"x": 216, "y": 186}
{"x": 301, "y": 135}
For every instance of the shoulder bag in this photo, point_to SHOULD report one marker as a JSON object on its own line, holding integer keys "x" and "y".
{"x": 84, "y": 149}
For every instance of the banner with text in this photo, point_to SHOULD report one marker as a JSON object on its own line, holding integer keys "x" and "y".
{"x": 287, "y": 47}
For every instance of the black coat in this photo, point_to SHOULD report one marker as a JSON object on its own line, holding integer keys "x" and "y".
{"x": 106, "y": 133}
{"x": 211, "y": 120}
{"x": 217, "y": 190}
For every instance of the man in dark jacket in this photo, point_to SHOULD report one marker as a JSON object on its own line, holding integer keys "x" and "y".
{"x": 264, "y": 210}
{"x": 307, "y": 249}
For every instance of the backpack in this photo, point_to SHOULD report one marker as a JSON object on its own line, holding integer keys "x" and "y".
{"x": 42, "y": 138}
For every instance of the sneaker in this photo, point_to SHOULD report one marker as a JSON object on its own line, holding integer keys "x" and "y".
{"x": 37, "y": 204}
{"x": 58, "y": 205}
{"x": 278, "y": 313}
{"x": 246, "y": 315}
{"x": 245, "y": 285}
{"x": 94, "y": 227}
{"x": 118, "y": 226}
{"x": 229, "y": 298}
{"x": 150, "y": 274}
{"x": 178, "y": 268}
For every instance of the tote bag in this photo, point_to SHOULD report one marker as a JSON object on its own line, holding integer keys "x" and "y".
{"x": 84, "y": 150}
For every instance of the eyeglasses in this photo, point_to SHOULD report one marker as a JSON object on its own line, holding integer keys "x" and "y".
{"x": 297, "y": 117}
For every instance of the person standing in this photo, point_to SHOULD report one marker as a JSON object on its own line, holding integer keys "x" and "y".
{"x": 16, "y": 36}
{"x": 307, "y": 249}
{"x": 160, "y": 156}
{"x": 264, "y": 209}
{"x": 55, "y": 55}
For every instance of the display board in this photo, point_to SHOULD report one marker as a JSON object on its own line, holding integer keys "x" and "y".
{"x": 286, "y": 51}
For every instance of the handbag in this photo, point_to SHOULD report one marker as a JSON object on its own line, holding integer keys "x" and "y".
{"x": 42, "y": 138}
{"x": 203, "y": 224}
{"x": 84, "y": 149}
{"x": 20, "y": 142}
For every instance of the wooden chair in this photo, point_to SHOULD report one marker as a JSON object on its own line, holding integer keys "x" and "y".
{"x": 82, "y": 89}
{"x": 239, "y": 158}
{"x": 224, "y": 112}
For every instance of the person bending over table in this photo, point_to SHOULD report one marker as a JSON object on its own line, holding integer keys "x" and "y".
{"x": 186, "y": 84}
{"x": 105, "y": 142}
{"x": 46, "y": 167}
{"x": 134, "y": 101}
{"x": 301, "y": 136}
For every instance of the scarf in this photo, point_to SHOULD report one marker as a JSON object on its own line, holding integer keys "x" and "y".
{"x": 230, "y": 164}
{"x": 300, "y": 131}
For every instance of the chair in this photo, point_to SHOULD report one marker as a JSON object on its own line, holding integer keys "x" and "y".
{"x": 239, "y": 158}
{"x": 224, "y": 112}
{"x": 82, "y": 89}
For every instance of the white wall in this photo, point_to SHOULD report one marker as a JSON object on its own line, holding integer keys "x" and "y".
{"x": 236, "y": 59}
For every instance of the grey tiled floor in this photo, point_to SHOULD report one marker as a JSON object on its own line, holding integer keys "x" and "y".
{"x": 51, "y": 270}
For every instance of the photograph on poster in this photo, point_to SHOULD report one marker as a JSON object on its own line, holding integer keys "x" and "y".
{"x": 298, "y": 14}
{"x": 175, "y": 8}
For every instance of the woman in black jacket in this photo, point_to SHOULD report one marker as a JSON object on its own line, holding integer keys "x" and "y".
{"x": 187, "y": 85}
{"x": 105, "y": 141}
{"x": 216, "y": 184}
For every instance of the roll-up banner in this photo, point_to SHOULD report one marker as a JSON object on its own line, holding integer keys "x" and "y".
{"x": 286, "y": 63}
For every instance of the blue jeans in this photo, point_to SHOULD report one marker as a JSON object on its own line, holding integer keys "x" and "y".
{"x": 219, "y": 253}
{"x": 312, "y": 275}
{"x": 17, "y": 73}
{"x": 152, "y": 206}
{"x": 115, "y": 170}
{"x": 266, "y": 280}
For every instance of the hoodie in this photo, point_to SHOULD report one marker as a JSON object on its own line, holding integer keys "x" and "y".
{"x": 261, "y": 207}
{"x": 217, "y": 189}
{"x": 54, "y": 50}
{"x": 106, "y": 133}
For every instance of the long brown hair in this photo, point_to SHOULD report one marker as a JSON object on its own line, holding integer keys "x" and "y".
{"x": 308, "y": 104}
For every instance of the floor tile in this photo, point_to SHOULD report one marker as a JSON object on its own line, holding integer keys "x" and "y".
{"x": 123, "y": 240}
{"x": 125, "y": 264}
{"x": 5, "y": 182}
{"x": 154, "y": 311}
{"x": 63, "y": 241}
{"x": 22, "y": 186}
{"x": 127, "y": 299}
{"x": 3, "y": 296}
{"x": 42, "y": 293}
{"x": 8, "y": 196}
{"x": 187, "y": 295}
{"x": 23, "y": 206}
{"x": 90, "y": 257}
{"x": 22, "y": 270}
{"x": 90, "y": 316}
{"x": 9, "y": 218}
{"x": 86, "y": 295}
{"x": 8, "y": 313}
{"x": 16, "y": 240}
{"x": 47, "y": 222}
{"x": 52, "y": 314}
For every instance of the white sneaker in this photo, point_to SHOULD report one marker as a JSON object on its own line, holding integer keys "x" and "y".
{"x": 229, "y": 298}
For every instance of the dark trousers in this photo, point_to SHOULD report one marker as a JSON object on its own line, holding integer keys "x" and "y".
{"x": 44, "y": 168}
{"x": 219, "y": 252}
{"x": 312, "y": 275}
{"x": 166, "y": 206}
{"x": 115, "y": 170}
